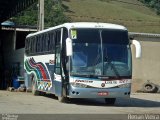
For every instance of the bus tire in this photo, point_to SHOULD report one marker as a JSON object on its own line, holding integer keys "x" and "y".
{"x": 149, "y": 88}
{"x": 34, "y": 91}
{"x": 110, "y": 101}
{"x": 62, "y": 99}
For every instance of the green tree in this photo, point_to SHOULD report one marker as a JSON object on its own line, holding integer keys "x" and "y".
{"x": 54, "y": 14}
{"x": 154, "y": 4}
{"x": 27, "y": 17}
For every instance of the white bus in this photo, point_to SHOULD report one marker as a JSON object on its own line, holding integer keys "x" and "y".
{"x": 80, "y": 60}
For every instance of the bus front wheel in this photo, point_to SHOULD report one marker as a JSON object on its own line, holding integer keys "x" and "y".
{"x": 34, "y": 91}
{"x": 62, "y": 99}
{"x": 110, "y": 101}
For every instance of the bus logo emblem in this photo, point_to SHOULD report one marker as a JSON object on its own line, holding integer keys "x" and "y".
{"x": 103, "y": 84}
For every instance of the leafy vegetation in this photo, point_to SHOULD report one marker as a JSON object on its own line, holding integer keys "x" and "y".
{"x": 131, "y": 13}
{"x": 154, "y": 4}
{"x": 54, "y": 14}
{"x": 28, "y": 17}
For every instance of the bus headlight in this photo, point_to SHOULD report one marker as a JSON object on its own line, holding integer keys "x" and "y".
{"x": 127, "y": 85}
{"x": 79, "y": 85}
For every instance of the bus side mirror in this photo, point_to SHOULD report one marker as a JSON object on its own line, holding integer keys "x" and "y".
{"x": 138, "y": 48}
{"x": 69, "y": 47}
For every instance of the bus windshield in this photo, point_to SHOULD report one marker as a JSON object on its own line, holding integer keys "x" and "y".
{"x": 100, "y": 52}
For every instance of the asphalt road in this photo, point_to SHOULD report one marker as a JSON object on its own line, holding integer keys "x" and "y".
{"x": 26, "y": 103}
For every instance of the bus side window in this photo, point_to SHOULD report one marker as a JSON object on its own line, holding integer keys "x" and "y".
{"x": 37, "y": 44}
{"x": 29, "y": 41}
{"x": 46, "y": 42}
{"x": 37, "y": 41}
{"x": 65, "y": 36}
{"x": 34, "y": 45}
{"x": 51, "y": 42}
{"x": 43, "y": 43}
{"x": 27, "y": 46}
{"x": 41, "y": 40}
{"x": 31, "y": 45}
{"x": 58, "y": 39}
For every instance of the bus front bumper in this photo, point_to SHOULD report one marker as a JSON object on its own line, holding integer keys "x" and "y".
{"x": 99, "y": 92}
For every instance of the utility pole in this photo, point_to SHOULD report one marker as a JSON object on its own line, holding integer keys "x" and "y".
{"x": 41, "y": 15}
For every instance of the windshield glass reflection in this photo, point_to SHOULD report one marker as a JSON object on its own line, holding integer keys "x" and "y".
{"x": 94, "y": 55}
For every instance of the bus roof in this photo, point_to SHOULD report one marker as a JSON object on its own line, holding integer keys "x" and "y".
{"x": 82, "y": 25}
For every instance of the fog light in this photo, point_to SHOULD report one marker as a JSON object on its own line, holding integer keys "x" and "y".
{"x": 127, "y": 85}
{"x": 79, "y": 85}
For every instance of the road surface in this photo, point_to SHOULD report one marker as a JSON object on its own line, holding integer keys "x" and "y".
{"x": 26, "y": 103}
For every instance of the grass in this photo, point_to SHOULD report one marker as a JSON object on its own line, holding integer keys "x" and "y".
{"x": 130, "y": 13}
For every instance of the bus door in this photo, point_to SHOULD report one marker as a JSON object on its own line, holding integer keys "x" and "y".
{"x": 58, "y": 70}
{"x": 60, "y": 64}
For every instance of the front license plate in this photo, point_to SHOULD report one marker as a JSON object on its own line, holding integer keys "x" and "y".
{"x": 102, "y": 93}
